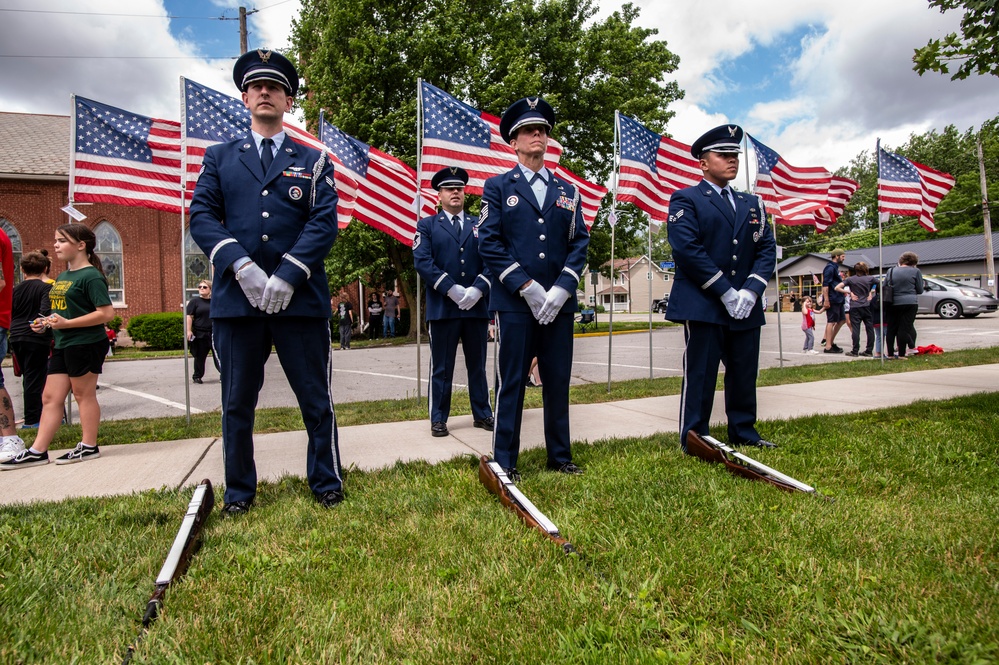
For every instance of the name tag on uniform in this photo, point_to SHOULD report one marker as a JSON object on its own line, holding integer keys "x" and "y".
{"x": 294, "y": 174}
{"x": 565, "y": 202}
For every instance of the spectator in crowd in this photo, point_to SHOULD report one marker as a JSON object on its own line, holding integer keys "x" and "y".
{"x": 859, "y": 289}
{"x": 375, "y": 310}
{"x": 832, "y": 301}
{"x": 31, "y": 349}
{"x": 198, "y": 324}
{"x": 843, "y": 274}
{"x": 808, "y": 325}
{"x": 11, "y": 444}
{"x": 346, "y": 313}
{"x": 906, "y": 283}
{"x": 391, "y": 313}
{"x": 81, "y": 306}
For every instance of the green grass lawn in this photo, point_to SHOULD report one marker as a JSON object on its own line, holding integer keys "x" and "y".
{"x": 680, "y": 561}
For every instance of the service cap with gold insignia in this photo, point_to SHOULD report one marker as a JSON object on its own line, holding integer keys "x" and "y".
{"x": 266, "y": 65}
{"x": 526, "y": 111}
{"x": 449, "y": 176}
{"x": 724, "y": 139}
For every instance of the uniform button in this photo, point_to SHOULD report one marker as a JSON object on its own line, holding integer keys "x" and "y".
{"x": 461, "y": 249}
{"x": 462, "y": 274}
{"x": 265, "y": 237}
{"x": 733, "y": 273}
{"x": 463, "y": 260}
{"x": 541, "y": 237}
{"x": 266, "y": 215}
{"x": 735, "y": 258}
{"x": 541, "y": 255}
{"x": 735, "y": 241}
{"x": 541, "y": 220}
{"x": 264, "y": 193}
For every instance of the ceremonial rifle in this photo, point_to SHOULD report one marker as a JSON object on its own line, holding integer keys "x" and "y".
{"x": 712, "y": 450}
{"x": 496, "y": 480}
{"x": 184, "y": 546}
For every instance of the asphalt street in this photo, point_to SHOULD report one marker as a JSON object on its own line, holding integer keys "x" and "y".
{"x": 156, "y": 387}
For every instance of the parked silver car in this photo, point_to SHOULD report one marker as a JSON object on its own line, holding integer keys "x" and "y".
{"x": 950, "y": 300}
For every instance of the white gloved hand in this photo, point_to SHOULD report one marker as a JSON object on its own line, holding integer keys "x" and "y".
{"x": 277, "y": 295}
{"x": 456, "y": 293}
{"x": 535, "y": 296}
{"x": 731, "y": 301}
{"x": 747, "y": 299}
{"x": 252, "y": 279}
{"x": 554, "y": 300}
{"x": 472, "y": 296}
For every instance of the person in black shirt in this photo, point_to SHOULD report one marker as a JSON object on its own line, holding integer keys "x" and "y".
{"x": 199, "y": 329}
{"x": 31, "y": 349}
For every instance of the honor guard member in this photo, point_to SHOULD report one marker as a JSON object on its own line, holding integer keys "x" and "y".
{"x": 725, "y": 253}
{"x": 533, "y": 241}
{"x": 446, "y": 254}
{"x": 264, "y": 212}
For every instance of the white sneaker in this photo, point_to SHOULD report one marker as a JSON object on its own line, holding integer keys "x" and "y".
{"x": 10, "y": 447}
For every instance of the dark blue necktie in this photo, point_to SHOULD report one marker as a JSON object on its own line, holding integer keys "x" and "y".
{"x": 456, "y": 222}
{"x": 266, "y": 153}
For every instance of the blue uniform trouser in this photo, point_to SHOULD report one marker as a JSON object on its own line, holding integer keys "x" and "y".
{"x": 243, "y": 346}
{"x": 707, "y": 345}
{"x": 444, "y": 337}
{"x": 521, "y": 339}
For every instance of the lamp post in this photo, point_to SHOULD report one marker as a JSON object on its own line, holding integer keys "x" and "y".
{"x": 594, "y": 273}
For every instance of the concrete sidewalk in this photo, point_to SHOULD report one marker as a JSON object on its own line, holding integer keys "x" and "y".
{"x": 125, "y": 469}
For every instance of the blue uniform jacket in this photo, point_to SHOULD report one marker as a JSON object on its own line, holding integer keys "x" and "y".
{"x": 714, "y": 251}
{"x": 285, "y": 221}
{"x": 443, "y": 260}
{"x": 520, "y": 242}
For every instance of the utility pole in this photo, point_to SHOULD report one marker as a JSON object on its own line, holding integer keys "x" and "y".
{"x": 242, "y": 30}
{"x": 990, "y": 265}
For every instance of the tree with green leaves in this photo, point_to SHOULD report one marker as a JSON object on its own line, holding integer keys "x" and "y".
{"x": 361, "y": 60}
{"x": 976, "y": 48}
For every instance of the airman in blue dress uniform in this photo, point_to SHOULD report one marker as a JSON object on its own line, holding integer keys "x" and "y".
{"x": 725, "y": 253}
{"x": 533, "y": 241}
{"x": 446, "y": 254}
{"x": 264, "y": 212}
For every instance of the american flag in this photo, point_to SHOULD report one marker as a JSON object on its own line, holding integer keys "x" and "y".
{"x": 652, "y": 168}
{"x": 124, "y": 158}
{"x": 799, "y": 195}
{"x": 456, "y": 134}
{"x": 910, "y": 188}
{"x": 211, "y": 117}
{"x": 386, "y": 186}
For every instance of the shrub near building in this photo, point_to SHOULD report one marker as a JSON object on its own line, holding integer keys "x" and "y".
{"x": 164, "y": 330}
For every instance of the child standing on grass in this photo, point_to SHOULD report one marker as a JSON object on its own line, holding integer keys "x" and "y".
{"x": 80, "y": 307}
{"x": 808, "y": 325}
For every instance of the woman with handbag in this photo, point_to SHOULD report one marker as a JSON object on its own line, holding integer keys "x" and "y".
{"x": 903, "y": 284}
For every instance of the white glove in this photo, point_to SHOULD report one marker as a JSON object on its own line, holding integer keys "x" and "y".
{"x": 252, "y": 279}
{"x": 747, "y": 299}
{"x": 731, "y": 301}
{"x": 456, "y": 293}
{"x": 277, "y": 295}
{"x": 472, "y": 296}
{"x": 554, "y": 300}
{"x": 535, "y": 296}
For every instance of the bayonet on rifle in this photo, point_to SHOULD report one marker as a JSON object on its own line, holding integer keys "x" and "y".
{"x": 710, "y": 449}
{"x": 496, "y": 480}
{"x": 179, "y": 558}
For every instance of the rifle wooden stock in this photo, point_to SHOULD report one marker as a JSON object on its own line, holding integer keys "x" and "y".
{"x": 492, "y": 476}
{"x": 711, "y": 450}
{"x": 178, "y": 559}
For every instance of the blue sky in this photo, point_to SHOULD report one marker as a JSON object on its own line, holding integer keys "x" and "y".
{"x": 816, "y": 81}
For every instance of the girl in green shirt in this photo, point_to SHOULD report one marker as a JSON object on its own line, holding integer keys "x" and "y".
{"x": 80, "y": 308}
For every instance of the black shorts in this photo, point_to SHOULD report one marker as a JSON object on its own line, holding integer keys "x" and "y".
{"x": 835, "y": 313}
{"x": 80, "y": 359}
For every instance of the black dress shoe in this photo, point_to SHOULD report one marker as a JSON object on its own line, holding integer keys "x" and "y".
{"x": 197, "y": 379}
{"x": 236, "y": 508}
{"x": 512, "y": 474}
{"x": 330, "y": 499}
{"x": 439, "y": 429}
{"x": 485, "y": 423}
{"x": 568, "y": 468}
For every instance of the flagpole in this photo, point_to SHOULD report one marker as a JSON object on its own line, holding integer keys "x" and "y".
{"x": 612, "y": 219}
{"x": 990, "y": 264}
{"x": 649, "y": 257}
{"x": 419, "y": 208}
{"x": 881, "y": 262}
{"x": 773, "y": 223}
{"x": 72, "y": 182}
{"x": 183, "y": 247}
